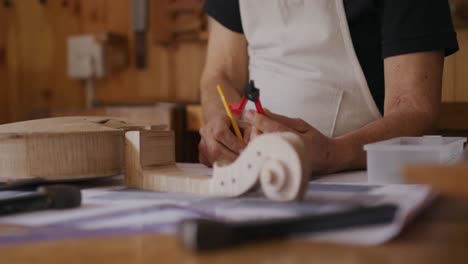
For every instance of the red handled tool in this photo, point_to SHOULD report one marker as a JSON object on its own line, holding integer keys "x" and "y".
{"x": 250, "y": 93}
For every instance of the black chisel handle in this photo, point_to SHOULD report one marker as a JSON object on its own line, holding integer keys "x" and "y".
{"x": 205, "y": 235}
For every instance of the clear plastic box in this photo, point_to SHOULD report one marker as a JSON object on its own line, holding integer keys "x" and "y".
{"x": 386, "y": 159}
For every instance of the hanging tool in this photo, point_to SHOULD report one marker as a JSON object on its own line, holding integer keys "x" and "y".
{"x": 140, "y": 26}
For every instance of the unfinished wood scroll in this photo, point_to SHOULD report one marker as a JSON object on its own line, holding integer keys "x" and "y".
{"x": 273, "y": 160}
{"x": 63, "y": 148}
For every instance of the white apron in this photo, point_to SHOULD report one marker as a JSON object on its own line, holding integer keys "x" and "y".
{"x": 302, "y": 59}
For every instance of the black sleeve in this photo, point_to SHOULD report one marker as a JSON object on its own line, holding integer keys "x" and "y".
{"x": 416, "y": 25}
{"x": 226, "y": 12}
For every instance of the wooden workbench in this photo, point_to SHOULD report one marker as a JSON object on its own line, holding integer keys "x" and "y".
{"x": 440, "y": 235}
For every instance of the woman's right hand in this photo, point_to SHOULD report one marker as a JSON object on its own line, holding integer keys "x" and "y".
{"x": 219, "y": 143}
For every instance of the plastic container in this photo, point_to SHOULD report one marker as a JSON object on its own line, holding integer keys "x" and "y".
{"x": 386, "y": 159}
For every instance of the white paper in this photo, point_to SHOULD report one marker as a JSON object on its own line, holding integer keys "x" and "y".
{"x": 118, "y": 209}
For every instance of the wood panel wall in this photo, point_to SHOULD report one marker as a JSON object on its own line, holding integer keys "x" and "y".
{"x": 455, "y": 86}
{"x": 33, "y": 79}
{"x": 33, "y": 66}
{"x": 4, "y": 106}
{"x": 35, "y": 59}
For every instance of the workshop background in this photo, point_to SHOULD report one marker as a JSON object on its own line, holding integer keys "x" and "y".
{"x": 140, "y": 60}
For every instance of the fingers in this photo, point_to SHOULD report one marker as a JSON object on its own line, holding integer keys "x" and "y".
{"x": 202, "y": 159}
{"x": 295, "y": 123}
{"x": 219, "y": 130}
{"x": 218, "y": 142}
{"x": 211, "y": 151}
{"x": 246, "y": 131}
{"x": 264, "y": 123}
{"x": 254, "y": 133}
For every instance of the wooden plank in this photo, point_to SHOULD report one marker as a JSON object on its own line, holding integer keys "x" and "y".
{"x": 131, "y": 85}
{"x": 4, "y": 102}
{"x": 35, "y": 61}
{"x": 64, "y": 21}
{"x": 460, "y": 13}
{"x": 449, "y": 180}
{"x": 36, "y": 65}
{"x": 453, "y": 117}
{"x": 176, "y": 21}
{"x": 172, "y": 74}
{"x": 61, "y": 148}
{"x": 461, "y": 67}
{"x": 189, "y": 63}
{"x": 170, "y": 115}
{"x": 194, "y": 118}
{"x": 448, "y": 84}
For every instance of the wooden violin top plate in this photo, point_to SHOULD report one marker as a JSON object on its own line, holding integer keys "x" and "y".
{"x": 63, "y": 148}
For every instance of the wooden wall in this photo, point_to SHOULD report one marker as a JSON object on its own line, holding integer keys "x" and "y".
{"x": 33, "y": 78}
{"x": 4, "y": 106}
{"x": 455, "y": 86}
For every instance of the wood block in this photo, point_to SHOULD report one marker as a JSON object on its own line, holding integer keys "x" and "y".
{"x": 63, "y": 148}
{"x": 449, "y": 180}
{"x": 171, "y": 115}
{"x": 273, "y": 160}
{"x": 194, "y": 118}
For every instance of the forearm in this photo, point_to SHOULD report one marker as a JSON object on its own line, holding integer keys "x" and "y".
{"x": 348, "y": 150}
{"x": 226, "y": 65}
{"x": 412, "y": 104}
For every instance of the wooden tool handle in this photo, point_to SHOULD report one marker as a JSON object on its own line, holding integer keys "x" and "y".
{"x": 204, "y": 235}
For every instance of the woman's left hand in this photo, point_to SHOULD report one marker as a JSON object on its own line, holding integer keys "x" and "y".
{"x": 318, "y": 146}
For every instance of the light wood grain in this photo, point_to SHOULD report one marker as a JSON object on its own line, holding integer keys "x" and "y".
{"x": 461, "y": 68}
{"x": 460, "y": 14}
{"x": 4, "y": 102}
{"x": 276, "y": 161}
{"x": 63, "y": 148}
{"x": 36, "y": 65}
{"x": 171, "y": 115}
{"x": 449, "y": 180}
{"x": 172, "y": 74}
{"x": 448, "y": 84}
{"x": 195, "y": 118}
{"x": 453, "y": 117}
{"x": 440, "y": 235}
{"x": 35, "y": 35}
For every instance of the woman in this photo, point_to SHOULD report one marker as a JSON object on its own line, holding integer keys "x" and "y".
{"x": 340, "y": 74}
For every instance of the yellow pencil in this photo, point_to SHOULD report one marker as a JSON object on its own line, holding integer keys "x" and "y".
{"x": 229, "y": 113}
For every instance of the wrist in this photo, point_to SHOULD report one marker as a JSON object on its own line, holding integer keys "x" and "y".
{"x": 351, "y": 154}
{"x": 340, "y": 155}
{"x": 212, "y": 109}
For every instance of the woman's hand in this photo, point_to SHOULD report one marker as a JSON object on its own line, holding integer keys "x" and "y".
{"x": 318, "y": 146}
{"x": 218, "y": 142}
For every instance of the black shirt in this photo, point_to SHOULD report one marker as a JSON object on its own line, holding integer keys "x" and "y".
{"x": 379, "y": 29}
